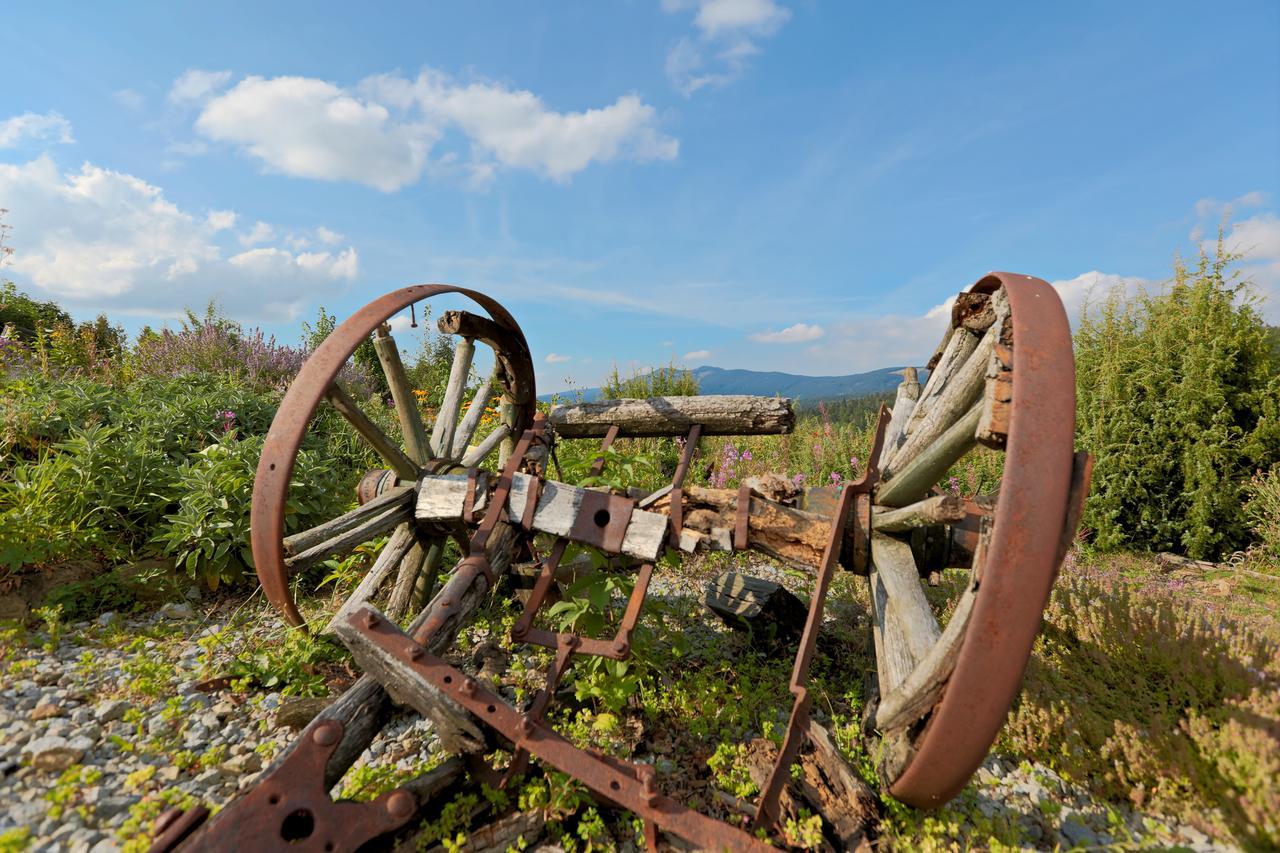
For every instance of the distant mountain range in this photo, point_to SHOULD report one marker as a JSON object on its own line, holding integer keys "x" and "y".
{"x": 805, "y": 390}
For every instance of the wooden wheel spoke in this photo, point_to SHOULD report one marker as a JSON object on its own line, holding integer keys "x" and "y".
{"x": 382, "y": 443}
{"x": 416, "y": 443}
{"x": 916, "y": 695}
{"x": 499, "y": 435}
{"x": 903, "y": 625}
{"x": 918, "y": 476}
{"x": 903, "y": 406}
{"x": 447, "y": 418}
{"x": 952, "y": 389}
{"x": 939, "y": 509}
{"x": 479, "y": 403}
{"x": 342, "y": 534}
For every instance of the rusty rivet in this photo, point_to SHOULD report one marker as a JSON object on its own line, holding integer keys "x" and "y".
{"x": 520, "y": 629}
{"x": 371, "y": 620}
{"x": 621, "y": 647}
{"x": 526, "y": 726}
{"x": 468, "y": 686}
{"x": 401, "y": 804}
{"x": 416, "y": 652}
{"x": 326, "y": 735}
{"x": 570, "y": 641}
{"x": 446, "y": 604}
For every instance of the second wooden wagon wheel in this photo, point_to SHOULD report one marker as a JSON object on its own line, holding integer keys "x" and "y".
{"x": 444, "y": 449}
{"x": 1002, "y": 378}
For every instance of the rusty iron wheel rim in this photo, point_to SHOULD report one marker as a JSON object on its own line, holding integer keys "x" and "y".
{"x": 1023, "y": 557}
{"x": 280, "y": 448}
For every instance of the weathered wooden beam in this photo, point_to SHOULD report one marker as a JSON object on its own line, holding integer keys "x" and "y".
{"x": 920, "y": 475}
{"x": 441, "y": 499}
{"x": 719, "y": 414}
{"x": 399, "y": 461}
{"x": 447, "y": 418}
{"x": 411, "y": 565}
{"x": 765, "y": 608}
{"x": 960, "y": 345}
{"x": 792, "y": 535}
{"x": 309, "y": 538}
{"x": 416, "y": 443}
{"x": 393, "y": 554}
{"x": 939, "y": 509}
{"x": 902, "y": 614}
{"x": 345, "y": 542}
{"x": 837, "y": 792}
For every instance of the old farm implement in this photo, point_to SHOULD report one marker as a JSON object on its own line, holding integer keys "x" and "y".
{"x": 1002, "y": 378}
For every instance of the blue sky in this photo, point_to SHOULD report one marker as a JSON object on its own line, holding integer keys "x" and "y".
{"x": 745, "y": 183}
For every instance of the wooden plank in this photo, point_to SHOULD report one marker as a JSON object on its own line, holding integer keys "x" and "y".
{"x": 719, "y": 414}
{"x": 903, "y": 405}
{"x": 923, "y": 472}
{"x": 309, "y": 538}
{"x": 392, "y": 555}
{"x": 908, "y": 629}
{"x": 939, "y": 509}
{"x": 416, "y": 443}
{"x": 405, "y": 467}
{"x": 447, "y": 418}
{"x": 471, "y": 421}
{"x": 406, "y": 581}
{"x": 765, "y": 608}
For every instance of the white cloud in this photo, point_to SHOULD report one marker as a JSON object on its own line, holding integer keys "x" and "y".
{"x": 330, "y": 238}
{"x": 556, "y": 358}
{"x": 1092, "y": 287}
{"x": 129, "y": 99}
{"x": 799, "y": 333}
{"x": 260, "y": 233}
{"x": 728, "y": 36}
{"x": 696, "y": 355}
{"x": 380, "y": 132}
{"x": 95, "y": 240}
{"x": 35, "y": 126}
{"x": 194, "y": 86}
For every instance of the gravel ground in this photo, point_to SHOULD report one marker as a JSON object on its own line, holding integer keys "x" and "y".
{"x": 98, "y": 732}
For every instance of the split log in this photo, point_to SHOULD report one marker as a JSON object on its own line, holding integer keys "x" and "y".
{"x": 447, "y": 417}
{"x": 416, "y": 444}
{"x": 836, "y": 792}
{"x": 940, "y": 509}
{"x": 388, "y": 449}
{"x": 345, "y": 523}
{"x": 1167, "y": 562}
{"x": 792, "y": 535}
{"x": 507, "y": 347}
{"x": 397, "y": 510}
{"x": 764, "y": 608}
{"x": 973, "y": 311}
{"x": 997, "y": 397}
{"x": 393, "y": 554}
{"x": 673, "y": 416}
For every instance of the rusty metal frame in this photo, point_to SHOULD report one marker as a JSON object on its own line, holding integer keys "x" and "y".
{"x": 1022, "y": 559}
{"x": 280, "y": 449}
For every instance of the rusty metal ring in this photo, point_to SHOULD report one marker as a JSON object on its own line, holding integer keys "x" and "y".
{"x": 1022, "y": 559}
{"x": 280, "y": 449}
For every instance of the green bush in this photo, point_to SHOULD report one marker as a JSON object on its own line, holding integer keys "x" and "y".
{"x": 1263, "y": 510}
{"x": 1179, "y": 401}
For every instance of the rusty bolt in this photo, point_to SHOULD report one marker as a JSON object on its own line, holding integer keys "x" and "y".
{"x": 526, "y": 726}
{"x": 519, "y": 629}
{"x": 570, "y": 641}
{"x": 326, "y": 735}
{"x": 468, "y": 686}
{"x": 621, "y": 647}
{"x": 401, "y": 804}
{"x": 371, "y": 620}
{"x": 416, "y": 652}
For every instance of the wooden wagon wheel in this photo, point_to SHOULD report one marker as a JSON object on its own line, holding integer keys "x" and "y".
{"x": 445, "y": 448}
{"x": 1003, "y": 377}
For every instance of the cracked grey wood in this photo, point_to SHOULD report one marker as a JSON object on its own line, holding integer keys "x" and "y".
{"x": 471, "y": 421}
{"x": 719, "y": 414}
{"x": 903, "y": 405}
{"x": 416, "y": 443}
{"x": 922, "y": 473}
{"x": 902, "y": 614}
{"x": 447, "y": 417}
{"x": 391, "y": 556}
{"x": 939, "y": 509}
{"x": 346, "y": 541}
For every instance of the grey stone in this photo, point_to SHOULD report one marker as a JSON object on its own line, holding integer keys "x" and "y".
{"x": 177, "y": 610}
{"x": 111, "y": 710}
{"x": 109, "y": 807}
{"x": 106, "y": 845}
{"x": 1075, "y": 830}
